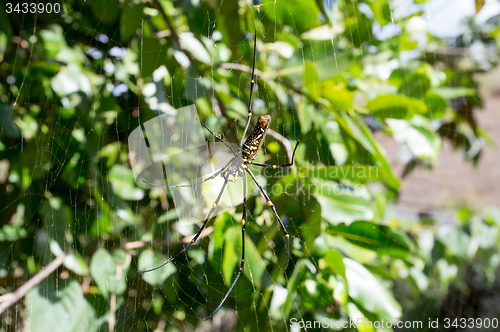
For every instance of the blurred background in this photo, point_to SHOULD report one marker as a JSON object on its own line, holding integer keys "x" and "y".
{"x": 392, "y": 205}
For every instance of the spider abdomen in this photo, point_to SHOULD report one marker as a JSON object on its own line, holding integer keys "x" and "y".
{"x": 254, "y": 141}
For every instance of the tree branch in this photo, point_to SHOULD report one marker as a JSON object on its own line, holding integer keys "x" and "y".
{"x": 9, "y": 299}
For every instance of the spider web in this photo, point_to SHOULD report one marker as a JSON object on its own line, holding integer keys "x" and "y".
{"x": 66, "y": 163}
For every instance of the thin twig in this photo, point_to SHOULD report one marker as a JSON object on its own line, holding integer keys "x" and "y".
{"x": 286, "y": 143}
{"x": 173, "y": 33}
{"x": 462, "y": 51}
{"x": 240, "y": 67}
{"x": 161, "y": 324}
{"x": 11, "y": 298}
{"x": 112, "y": 309}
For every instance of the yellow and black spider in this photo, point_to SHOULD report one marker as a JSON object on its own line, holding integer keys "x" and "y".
{"x": 236, "y": 167}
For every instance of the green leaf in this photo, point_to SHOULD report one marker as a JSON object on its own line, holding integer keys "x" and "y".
{"x": 283, "y": 49}
{"x": 282, "y": 13}
{"x": 333, "y": 260}
{"x": 306, "y": 116}
{"x": 70, "y": 80}
{"x": 53, "y": 40}
{"x": 396, "y": 106}
{"x": 492, "y": 214}
{"x": 195, "y": 47}
{"x": 300, "y": 270}
{"x": 150, "y": 259}
{"x": 279, "y": 91}
{"x": 7, "y": 123}
{"x": 422, "y": 141}
{"x": 311, "y": 80}
{"x": 338, "y": 95}
{"x": 5, "y": 28}
{"x": 448, "y": 92}
{"x": 102, "y": 13}
{"x": 341, "y": 203}
{"x": 312, "y": 229}
{"x": 230, "y": 256}
{"x": 405, "y": 43}
{"x": 254, "y": 266}
{"x": 321, "y": 55}
{"x": 455, "y": 240}
{"x": 417, "y": 83}
{"x": 123, "y": 183}
{"x": 58, "y": 220}
{"x": 382, "y": 11}
{"x": 363, "y": 135}
{"x": 333, "y": 135}
{"x": 378, "y": 238}
{"x": 109, "y": 271}
{"x": 369, "y": 293}
{"x": 131, "y": 18}
{"x": 324, "y": 32}
{"x": 356, "y": 314}
{"x": 74, "y": 262}
{"x": 279, "y": 297}
{"x": 435, "y": 104}
{"x": 60, "y": 307}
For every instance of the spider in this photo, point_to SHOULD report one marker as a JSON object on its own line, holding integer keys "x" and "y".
{"x": 236, "y": 167}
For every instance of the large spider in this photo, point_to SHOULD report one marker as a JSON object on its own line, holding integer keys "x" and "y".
{"x": 236, "y": 167}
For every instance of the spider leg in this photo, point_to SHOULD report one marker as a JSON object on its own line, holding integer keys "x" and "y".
{"x": 252, "y": 83}
{"x": 216, "y": 136}
{"x": 186, "y": 247}
{"x": 287, "y": 236}
{"x": 243, "y": 228}
{"x": 195, "y": 183}
{"x": 277, "y": 166}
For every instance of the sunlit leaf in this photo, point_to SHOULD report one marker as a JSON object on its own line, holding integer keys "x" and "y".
{"x": 334, "y": 261}
{"x": 421, "y": 140}
{"x": 324, "y": 32}
{"x": 446, "y": 92}
{"x": 231, "y": 259}
{"x": 149, "y": 259}
{"x": 123, "y": 183}
{"x": 71, "y": 80}
{"x": 371, "y": 295}
{"x": 342, "y": 203}
{"x": 195, "y": 47}
{"x": 338, "y": 95}
{"x": 361, "y": 133}
{"x": 382, "y": 11}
